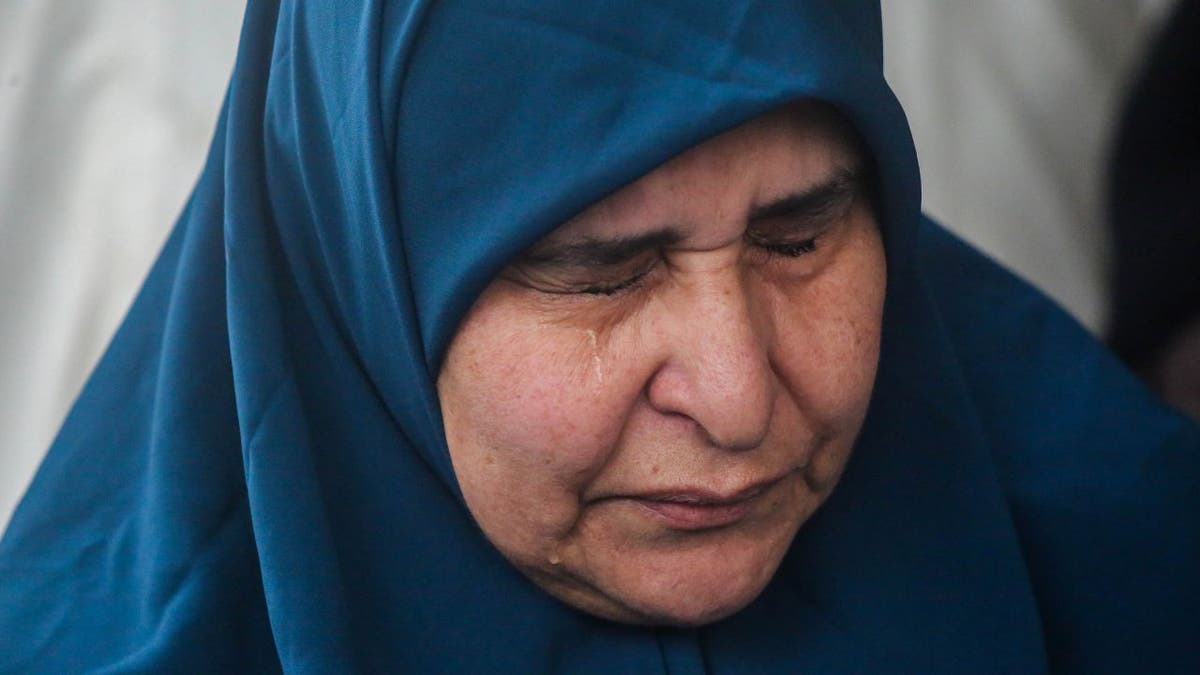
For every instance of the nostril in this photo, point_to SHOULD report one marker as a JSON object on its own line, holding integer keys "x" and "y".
{"x": 746, "y": 432}
{"x": 736, "y": 444}
{"x": 732, "y": 415}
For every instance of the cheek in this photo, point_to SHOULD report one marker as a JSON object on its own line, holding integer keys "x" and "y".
{"x": 829, "y": 337}
{"x": 532, "y": 412}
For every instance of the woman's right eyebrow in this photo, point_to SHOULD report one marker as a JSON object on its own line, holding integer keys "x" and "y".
{"x": 600, "y": 252}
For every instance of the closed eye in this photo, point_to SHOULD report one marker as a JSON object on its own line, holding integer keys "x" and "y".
{"x": 790, "y": 249}
{"x": 792, "y": 226}
{"x": 627, "y": 284}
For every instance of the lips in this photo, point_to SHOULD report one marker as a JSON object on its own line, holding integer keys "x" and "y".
{"x": 698, "y": 509}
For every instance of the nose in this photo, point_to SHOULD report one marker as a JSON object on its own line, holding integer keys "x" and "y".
{"x": 717, "y": 370}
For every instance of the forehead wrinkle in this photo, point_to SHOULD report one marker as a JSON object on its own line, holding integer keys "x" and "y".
{"x": 608, "y": 231}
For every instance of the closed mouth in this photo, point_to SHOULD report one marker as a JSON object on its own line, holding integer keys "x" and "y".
{"x": 701, "y": 509}
{"x": 703, "y": 497}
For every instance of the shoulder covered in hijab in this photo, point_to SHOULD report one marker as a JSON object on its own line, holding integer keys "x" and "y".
{"x": 1102, "y": 481}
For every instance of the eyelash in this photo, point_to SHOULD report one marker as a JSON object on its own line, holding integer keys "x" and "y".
{"x": 626, "y": 285}
{"x": 791, "y": 249}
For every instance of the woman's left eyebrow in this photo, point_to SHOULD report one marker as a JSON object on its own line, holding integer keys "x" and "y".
{"x": 813, "y": 203}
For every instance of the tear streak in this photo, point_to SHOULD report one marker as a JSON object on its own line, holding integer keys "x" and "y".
{"x": 597, "y": 364}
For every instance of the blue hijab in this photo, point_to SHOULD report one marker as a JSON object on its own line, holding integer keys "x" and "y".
{"x": 256, "y": 478}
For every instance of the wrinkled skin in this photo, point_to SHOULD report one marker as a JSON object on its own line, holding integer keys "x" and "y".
{"x": 643, "y": 430}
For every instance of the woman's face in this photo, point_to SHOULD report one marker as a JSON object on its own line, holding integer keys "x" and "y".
{"x": 645, "y": 407}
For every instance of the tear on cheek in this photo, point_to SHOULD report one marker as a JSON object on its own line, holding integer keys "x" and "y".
{"x": 597, "y": 361}
{"x": 584, "y": 365}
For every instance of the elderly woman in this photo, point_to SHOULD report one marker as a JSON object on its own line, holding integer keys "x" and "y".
{"x": 540, "y": 336}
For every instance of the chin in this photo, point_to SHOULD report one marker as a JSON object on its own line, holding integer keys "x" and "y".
{"x": 701, "y": 612}
{"x": 681, "y": 609}
{"x": 688, "y": 604}
{"x": 683, "y": 588}
{"x": 710, "y": 597}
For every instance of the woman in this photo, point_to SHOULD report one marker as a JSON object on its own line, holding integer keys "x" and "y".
{"x": 530, "y": 337}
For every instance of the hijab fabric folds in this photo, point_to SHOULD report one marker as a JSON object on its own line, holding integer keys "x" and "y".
{"x": 255, "y": 477}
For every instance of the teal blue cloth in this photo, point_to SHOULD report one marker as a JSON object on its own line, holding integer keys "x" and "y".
{"x": 255, "y": 477}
